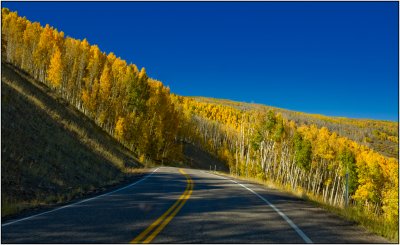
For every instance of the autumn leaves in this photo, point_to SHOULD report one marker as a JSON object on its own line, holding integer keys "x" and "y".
{"x": 262, "y": 144}
{"x": 53, "y": 74}
{"x": 135, "y": 109}
{"x": 142, "y": 114}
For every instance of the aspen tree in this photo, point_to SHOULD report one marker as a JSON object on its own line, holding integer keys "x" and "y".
{"x": 54, "y": 73}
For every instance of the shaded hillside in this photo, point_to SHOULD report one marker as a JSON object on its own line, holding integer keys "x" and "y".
{"x": 302, "y": 152}
{"x": 200, "y": 159}
{"x": 50, "y": 151}
{"x": 121, "y": 99}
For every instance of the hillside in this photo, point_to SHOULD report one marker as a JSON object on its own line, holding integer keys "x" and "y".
{"x": 309, "y": 154}
{"x": 197, "y": 158}
{"x": 382, "y": 136}
{"x": 116, "y": 112}
{"x": 50, "y": 151}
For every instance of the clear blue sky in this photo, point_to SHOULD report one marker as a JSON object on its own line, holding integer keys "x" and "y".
{"x": 332, "y": 58}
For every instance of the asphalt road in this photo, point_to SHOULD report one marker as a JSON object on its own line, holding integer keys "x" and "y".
{"x": 188, "y": 206}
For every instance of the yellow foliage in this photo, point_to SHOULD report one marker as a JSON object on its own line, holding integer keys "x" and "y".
{"x": 54, "y": 73}
{"x": 364, "y": 192}
{"x": 119, "y": 128}
{"x": 100, "y": 83}
{"x": 393, "y": 139}
{"x": 85, "y": 98}
{"x": 142, "y": 73}
{"x": 105, "y": 83}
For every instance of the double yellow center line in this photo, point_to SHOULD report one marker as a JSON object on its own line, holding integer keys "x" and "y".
{"x": 157, "y": 226}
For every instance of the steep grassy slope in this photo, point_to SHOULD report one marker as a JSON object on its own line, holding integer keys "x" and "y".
{"x": 50, "y": 151}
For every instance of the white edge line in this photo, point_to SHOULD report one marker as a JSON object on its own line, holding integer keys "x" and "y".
{"x": 82, "y": 201}
{"x": 221, "y": 177}
{"x": 289, "y": 221}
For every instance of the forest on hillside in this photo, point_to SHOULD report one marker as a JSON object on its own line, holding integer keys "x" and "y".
{"x": 381, "y": 136}
{"x": 118, "y": 96}
{"x": 303, "y": 152}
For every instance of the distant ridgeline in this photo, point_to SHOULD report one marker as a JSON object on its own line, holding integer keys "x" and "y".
{"x": 298, "y": 151}
{"x": 303, "y": 152}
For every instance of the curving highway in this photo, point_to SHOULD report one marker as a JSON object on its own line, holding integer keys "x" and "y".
{"x": 172, "y": 205}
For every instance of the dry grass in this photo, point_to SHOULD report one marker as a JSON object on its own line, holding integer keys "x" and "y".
{"x": 372, "y": 222}
{"x": 51, "y": 152}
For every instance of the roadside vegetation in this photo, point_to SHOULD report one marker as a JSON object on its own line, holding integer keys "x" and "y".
{"x": 304, "y": 153}
{"x": 354, "y": 213}
{"x": 262, "y": 144}
{"x": 50, "y": 152}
